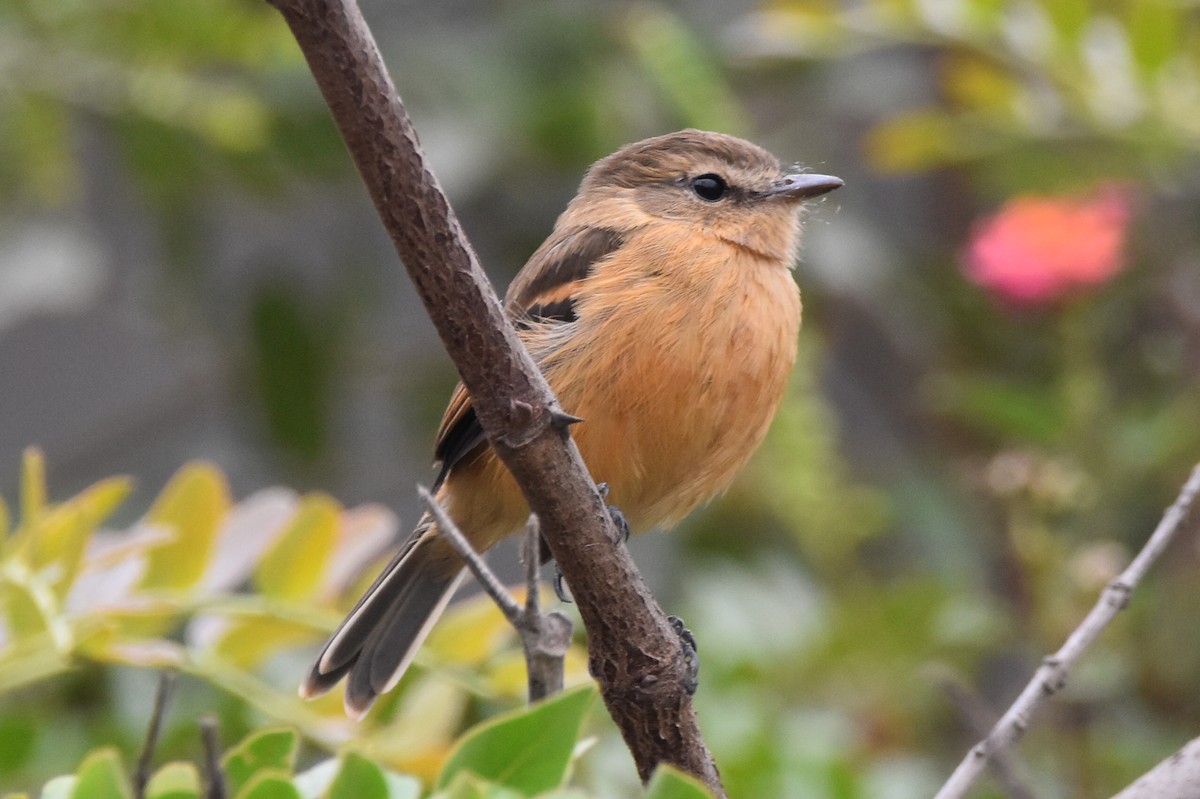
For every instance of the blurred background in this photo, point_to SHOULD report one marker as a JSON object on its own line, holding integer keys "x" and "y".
{"x": 999, "y": 385}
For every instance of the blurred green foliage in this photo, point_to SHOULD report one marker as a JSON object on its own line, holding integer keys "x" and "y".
{"x": 521, "y": 755}
{"x": 165, "y": 595}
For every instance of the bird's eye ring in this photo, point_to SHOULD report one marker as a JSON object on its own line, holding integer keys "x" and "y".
{"x": 709, "y": 187}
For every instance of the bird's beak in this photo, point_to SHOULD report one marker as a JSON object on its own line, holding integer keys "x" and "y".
{"x": 803, "y": 186}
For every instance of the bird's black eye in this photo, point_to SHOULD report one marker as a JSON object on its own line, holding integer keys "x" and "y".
{"x": 709, "y": 187}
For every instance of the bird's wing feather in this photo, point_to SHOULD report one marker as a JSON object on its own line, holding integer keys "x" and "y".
{"x": 543, "y": 292}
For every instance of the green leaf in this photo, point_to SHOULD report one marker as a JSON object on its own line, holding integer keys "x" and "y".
{"x": 529, "y": 749}
{"x": 670, "y": 783}
{"x": 1069, "y": 17}
{"x": 246, "y": 642}
{"x": 360, "y": 778}
{"x": 101, "y": 776}
{"x": 63, "y": 535}
{"x": 688, "y": 71}
{"x": 270, "y": 784}
{"x": 65, "y": 530}
{"x": 193, "y": 505}
{"x": 174, "y": 781}
{"x": 1154, "y": 33}
{"x": 918, "y": 140}
{"x": 23, "y": 614}
{"x": 18, "y": 739}
{"x": 272, "y": 749}
{"x": 468, "y": 786}
{"x": 295, "y": 564}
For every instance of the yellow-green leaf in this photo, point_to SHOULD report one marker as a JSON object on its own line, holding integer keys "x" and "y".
{"x": 54, "y": 536}
{"x": 1155, "y": 28}
{"x": 101, "y": 776}
{"x": 296, "y": 562}
{"x": 471, "y": 632}
{"x": 246, "y": 642}
{"x": 974, "y": 82}
{"x": 192, "y": 505}
{"x": 23, "y": 615}
{"x": 174, "y": 781}
{"x": 66, "y": 531}
{"x": 33, "y": 487}
{"x": 915, "y": 141}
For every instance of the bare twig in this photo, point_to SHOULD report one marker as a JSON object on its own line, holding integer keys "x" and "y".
{"x": 145, "y": 761}
{"x": 634, "y": 653}
{"x": 549, "y": 639}
{"x": 979, "y": 718}
{"x": 214, "y": 778}
{"x": 545, "y": 638}
{"x": 531, "y": 557}
{"x": 1052, "y": 675}
{"x": 1177, "y": 777}
{"x": 486, "y": 578}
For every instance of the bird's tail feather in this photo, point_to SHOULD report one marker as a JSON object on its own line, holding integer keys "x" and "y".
{"x": 378, "y": 640}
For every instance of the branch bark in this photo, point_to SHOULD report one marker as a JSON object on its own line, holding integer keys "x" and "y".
{"x": 1052, "y": 675}
{"x": 634, "y": 653}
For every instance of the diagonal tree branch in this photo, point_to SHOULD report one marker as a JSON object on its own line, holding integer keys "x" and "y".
{"x": 634, "y": 653}
{"x": 1052, "y": 675}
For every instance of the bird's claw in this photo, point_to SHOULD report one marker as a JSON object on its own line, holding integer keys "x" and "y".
{"x": 560, "y": 587}
{"x": 618, "y": 518}
{"x": 691, "y": 658}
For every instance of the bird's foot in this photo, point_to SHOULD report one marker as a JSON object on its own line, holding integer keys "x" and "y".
{"x": 618, "y": 518}
{"x": 691, "y": 658}
{"x": 560, "y": 587}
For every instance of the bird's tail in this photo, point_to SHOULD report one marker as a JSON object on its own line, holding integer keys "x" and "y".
{"x": 377, "y": 641}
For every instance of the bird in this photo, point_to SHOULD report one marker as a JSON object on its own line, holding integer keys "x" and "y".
{"x": 663, "y": 312}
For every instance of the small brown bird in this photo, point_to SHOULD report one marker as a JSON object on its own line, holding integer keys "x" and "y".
{"x": 663, "y": 312}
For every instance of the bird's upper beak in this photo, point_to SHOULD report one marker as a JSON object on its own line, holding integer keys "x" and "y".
{"x": 803, "y": 186}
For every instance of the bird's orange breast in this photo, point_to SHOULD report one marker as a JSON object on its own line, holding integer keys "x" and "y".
{"x": 677, "y": 363}
{"x": 684, "y": 372}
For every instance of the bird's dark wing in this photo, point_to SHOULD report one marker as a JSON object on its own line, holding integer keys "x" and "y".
{"x": 543, "y": 292}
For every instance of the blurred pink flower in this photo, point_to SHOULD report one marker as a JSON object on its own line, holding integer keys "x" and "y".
{"x": 1036, "y": 250}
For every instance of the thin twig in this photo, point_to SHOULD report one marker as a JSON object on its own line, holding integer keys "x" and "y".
{"x": 978, "y": 718}
{"x": 1052, "y": 675}
{"x": 544, "y": 637}
{"x": 214, "y": 777}
{"x": 531, "y": 551}
{"x": 486, "y": 577}
{"x": 145, "y": 761}
{"x": 548, "y": 636}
